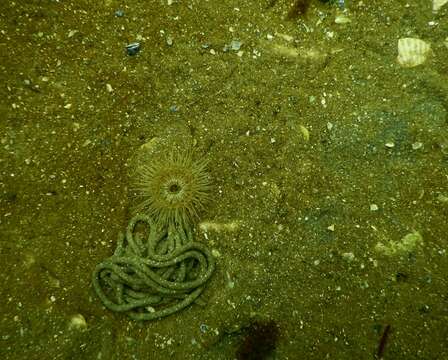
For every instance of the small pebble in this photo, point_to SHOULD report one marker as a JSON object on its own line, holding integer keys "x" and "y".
{"x": 235, "y": 45}
{"x": 349, "y": 257}
{"x": 216, "y": 253}
{"x": 119, "y": 13}
{"x": 133, "y": 48}
{"x": 373, "y": 207}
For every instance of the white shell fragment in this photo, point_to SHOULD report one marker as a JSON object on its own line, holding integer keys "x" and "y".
{"x": 342, "y": 18}
{"x": 77, "y": 322}
{"x": 437, "y": 4}
{"x": 412, "y": 52}
{"x": 406, "y": 245}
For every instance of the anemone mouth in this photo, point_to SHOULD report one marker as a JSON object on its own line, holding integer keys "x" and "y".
{"x": 173, "y": 190}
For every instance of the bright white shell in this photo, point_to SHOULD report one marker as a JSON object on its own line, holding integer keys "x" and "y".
{"x": 437, "y": 4}
{"x": 412, "y": 52}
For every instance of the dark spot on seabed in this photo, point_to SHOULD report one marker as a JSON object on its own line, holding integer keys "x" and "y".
{"x": 259, "y": 340}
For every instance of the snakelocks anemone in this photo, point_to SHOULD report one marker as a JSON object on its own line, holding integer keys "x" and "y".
{"x": 162, "y": 270}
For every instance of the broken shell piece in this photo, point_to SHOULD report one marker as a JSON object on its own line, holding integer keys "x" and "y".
{"x": 207, "y": 226}
{"x": 437, "y": 4}
{"x": 342, "y": 18}
{"x": 412, "y": 52}
{"x": 77, "y": 322}
{"x": 406, "y": 245}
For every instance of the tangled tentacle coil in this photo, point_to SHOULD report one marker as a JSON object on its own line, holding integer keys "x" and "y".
{"x": 153, "y": 277}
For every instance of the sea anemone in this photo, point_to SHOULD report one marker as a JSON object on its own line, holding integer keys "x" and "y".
{"x": 173, "y": 189}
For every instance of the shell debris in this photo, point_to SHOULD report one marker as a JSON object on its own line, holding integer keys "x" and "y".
{"x": 207, "y": 226}
{"x": 406, "y": 245}
{"x": 437, "y": 5}
{"x": 412, "y": 52}
{"x": 77, "y": 322}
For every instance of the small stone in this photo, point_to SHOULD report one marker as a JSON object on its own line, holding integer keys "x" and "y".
{"x": 349, "y": 256}
{"x": 133, "y": 48}
{"x": 109, "y": 88}
{"x": 305, "y": 132}
{"x": 331, "y": 227}
{"x": 373, "y": 207}
{"x": 390, "y": 144}
{"x": 216, "y": 253}
{"x": 119, "y": 13}
{"x": 235, "y": 45}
